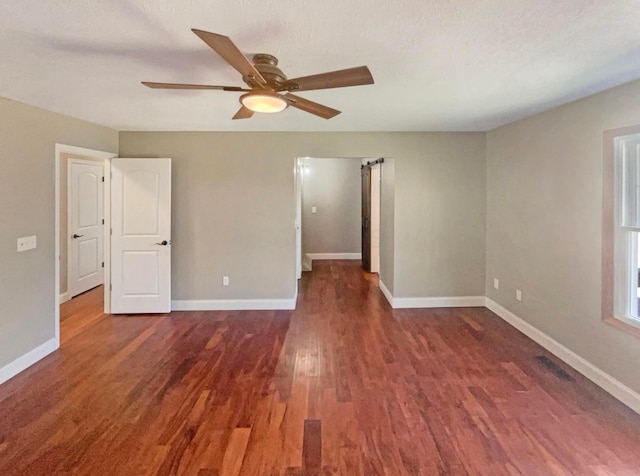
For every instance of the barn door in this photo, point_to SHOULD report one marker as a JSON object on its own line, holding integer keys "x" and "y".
{"x": 365, "y": 173}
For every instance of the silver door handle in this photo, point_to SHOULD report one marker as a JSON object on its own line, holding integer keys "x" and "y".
{"x": 164, "y": 243}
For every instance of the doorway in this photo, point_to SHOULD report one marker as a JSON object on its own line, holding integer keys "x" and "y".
{"x": 330, "y": 209}
{"x": 371, "y": 174}
{"x": 63, "y": 155}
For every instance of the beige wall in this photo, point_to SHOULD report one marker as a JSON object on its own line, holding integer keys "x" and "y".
{"x": 440, "y": 194}
{"x": 333, "y": 187}
{"x": 544, "y": 215}
{"x": 27, "y": 207}
{"x": 233, "y": 210}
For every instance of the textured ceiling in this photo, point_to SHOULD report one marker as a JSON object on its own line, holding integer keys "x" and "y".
{"x": 437, "y": 64}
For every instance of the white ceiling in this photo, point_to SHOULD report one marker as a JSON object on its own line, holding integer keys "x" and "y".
{"x": 437, "y": 64}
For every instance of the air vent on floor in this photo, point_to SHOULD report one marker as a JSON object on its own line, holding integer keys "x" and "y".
{"x": 554, "y": 368}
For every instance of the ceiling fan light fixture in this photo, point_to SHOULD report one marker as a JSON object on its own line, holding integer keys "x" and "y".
{"x": 263, "y": 101}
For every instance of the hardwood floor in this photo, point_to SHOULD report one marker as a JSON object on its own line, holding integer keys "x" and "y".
{"x": 343, "y": 385}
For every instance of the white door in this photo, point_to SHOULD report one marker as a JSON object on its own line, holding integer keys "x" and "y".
{"x": 85, "y": 233}
{"x": 141, "y": 236}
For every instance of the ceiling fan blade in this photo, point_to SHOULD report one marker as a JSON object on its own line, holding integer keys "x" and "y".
{"x": 150, "y": 84}
{"x": 335, "y": 79}
{"x": 243, "y": 113}
{"x": 231, "y": 54}
{"x": 310, "y": 106}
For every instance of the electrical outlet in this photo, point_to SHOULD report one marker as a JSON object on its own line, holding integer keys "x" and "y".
{"x": 27, "y": 243}
{"x": 518, "y": 295}
{"x": 496, "y": 283}
{"x": 225, "y": 280}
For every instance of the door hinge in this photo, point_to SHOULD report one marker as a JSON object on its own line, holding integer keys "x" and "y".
{"x": 103, "y": 264}
{"x": 110, "y": 287}
{"x": 103, "y": 179}
{"x": 103, "y": 221}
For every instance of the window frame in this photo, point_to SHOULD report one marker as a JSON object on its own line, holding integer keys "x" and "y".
{"x": 619, "y": 243}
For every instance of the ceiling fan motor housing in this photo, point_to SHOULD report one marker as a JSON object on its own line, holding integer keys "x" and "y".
{"x": 267, "y": 66}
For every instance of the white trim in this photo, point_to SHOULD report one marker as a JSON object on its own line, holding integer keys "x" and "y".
{"x": 307, "y": 263}
{"x": 448, "y": 301}
{"x": 386, "y": 292}
{"x": 605, "y": 381}
{"x": 321, "y": 256}
{"x": 27, "y": 360}
{"x": 430, "y": 302}
{"x": 64, "y": 297}
{"x": 106, "y": 242}
{"x": 234, "y": 304}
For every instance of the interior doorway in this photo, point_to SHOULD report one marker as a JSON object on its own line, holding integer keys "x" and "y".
{"x": 63, "y": 155}
{"x": 371, "y": 174}
{"x": 330, "y": 209}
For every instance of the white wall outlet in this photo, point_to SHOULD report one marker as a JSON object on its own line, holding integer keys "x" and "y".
{"x": 496, "y": 283}
{"x": 518, "y": 295}
{"x": 314, "y": 209}
{"x": 225, "y": 280}
{"x": 27, "y": 243}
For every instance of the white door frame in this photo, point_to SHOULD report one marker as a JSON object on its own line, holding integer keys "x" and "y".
{"x": 298, "y": 184}
{"x": 61, "y": 150}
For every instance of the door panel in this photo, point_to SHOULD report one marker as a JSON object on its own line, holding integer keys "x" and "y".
{"x": 141, "y": 270}
{"x": 141, "y": 189}
{"x": 141, "y": 236}
{"x": 85, "y": 209}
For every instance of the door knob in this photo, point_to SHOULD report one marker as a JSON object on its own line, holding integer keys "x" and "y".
{"x": 75, "y": 235}
{"x": 163, "y": 243}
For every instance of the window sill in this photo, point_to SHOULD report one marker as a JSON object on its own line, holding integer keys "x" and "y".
{"x": 626, "y": 325}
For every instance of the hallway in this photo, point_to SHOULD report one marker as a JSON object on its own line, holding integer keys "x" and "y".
{"x": 342, "y": 385}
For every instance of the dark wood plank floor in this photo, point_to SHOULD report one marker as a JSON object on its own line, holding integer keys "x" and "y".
{"x": 343, "y": 385}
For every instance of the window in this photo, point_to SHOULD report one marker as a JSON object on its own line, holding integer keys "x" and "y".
{"x": 626, "y": 229}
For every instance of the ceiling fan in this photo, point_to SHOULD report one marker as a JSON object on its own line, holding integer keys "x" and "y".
{"x": 266, "y": 81}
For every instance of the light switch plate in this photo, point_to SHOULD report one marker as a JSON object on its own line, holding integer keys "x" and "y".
{"x": 314, "y": 209}
{"x": 27, "y": 243}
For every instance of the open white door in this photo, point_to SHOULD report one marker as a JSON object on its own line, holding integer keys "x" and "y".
{"x": 85, "y": 233}
{"x": 141, "y": 236}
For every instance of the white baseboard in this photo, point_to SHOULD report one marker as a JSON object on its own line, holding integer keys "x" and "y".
{"x": 386, "y": 292}
{"x": 21, "y": 363}
{"x": 64, "y": 297}
{"x": 307, "y": 263}
{"x": 320, "y": 256}
{"x": 234, "y": 304}
{"x": 616, "y": 388}
{"x": 426, "y": 302}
